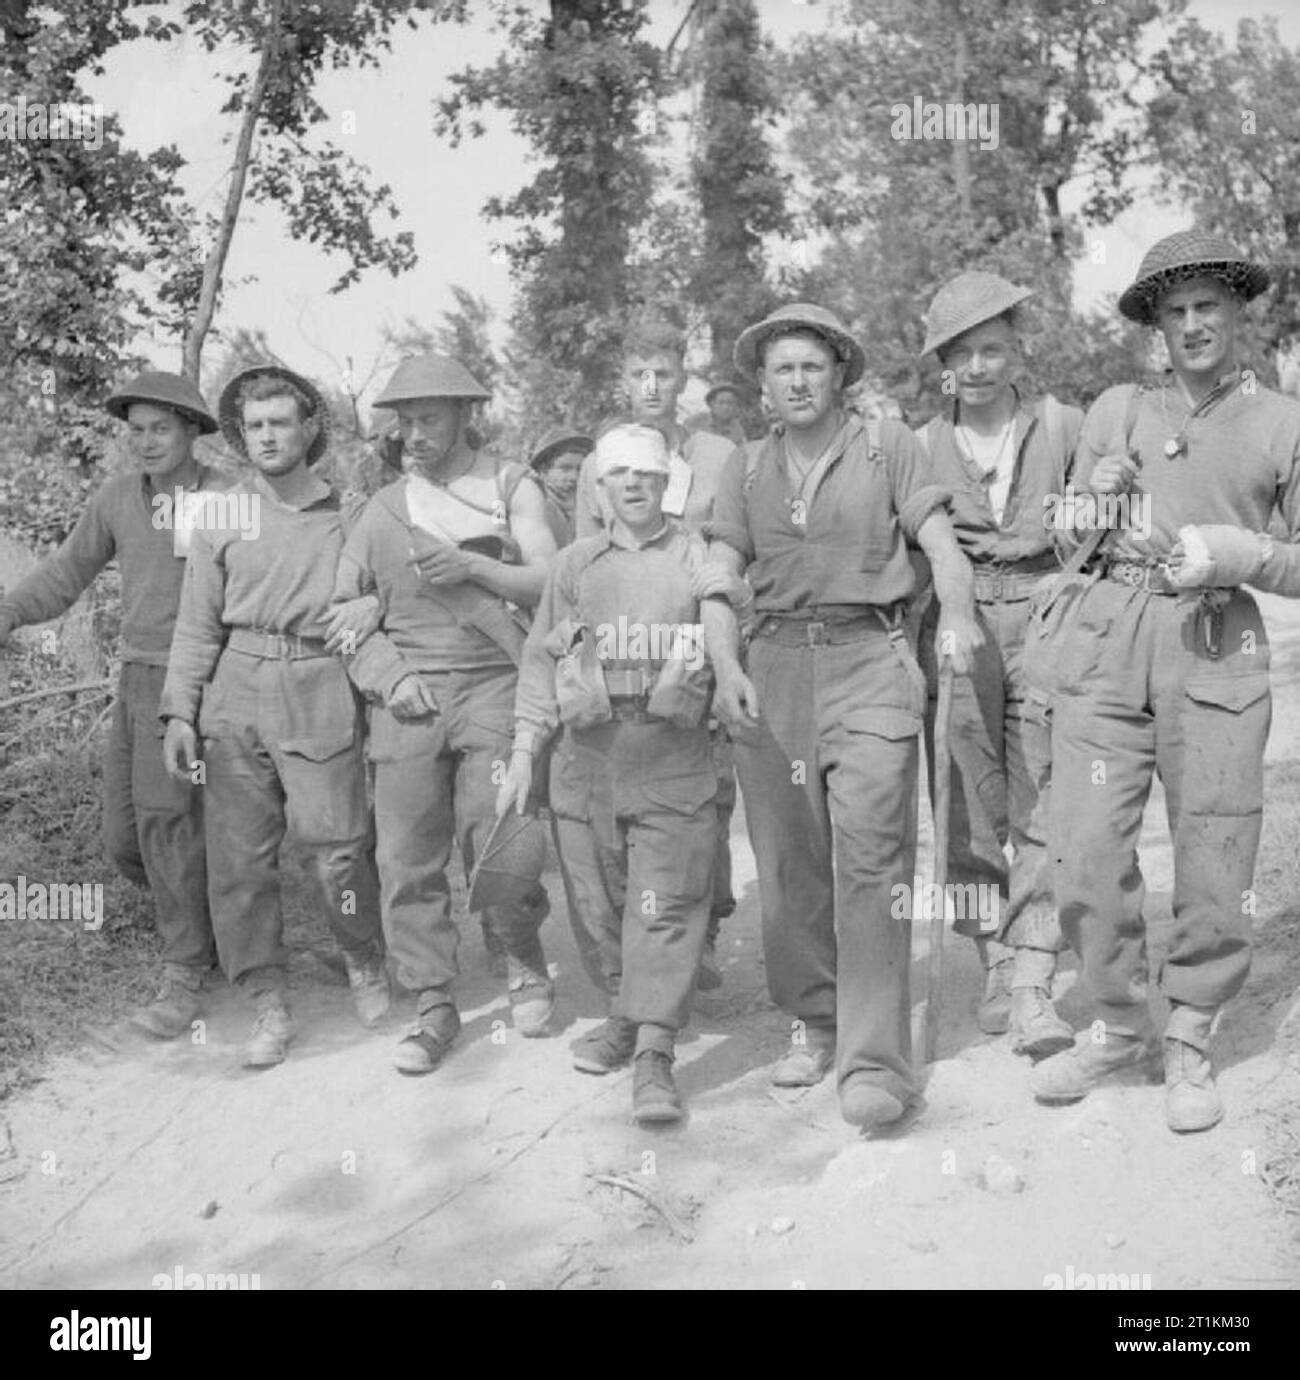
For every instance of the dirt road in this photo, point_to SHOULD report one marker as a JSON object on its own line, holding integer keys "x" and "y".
{"x": 507, "y": 1168}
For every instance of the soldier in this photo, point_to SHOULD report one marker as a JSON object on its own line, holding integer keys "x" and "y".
{"x": 828, "y": 714}
{"x": 153, "y": 827}
{"x": 616, "y": 654}
{"x": 653, "y": 376}
{"x": 558, "y": 460}
{"x": 251, "y": 673}
{"x": 1004, "y": 460}
{"x": 453, "y": 550}
{"x": 1165, "y": 668}
{"x": 725, "y": 416}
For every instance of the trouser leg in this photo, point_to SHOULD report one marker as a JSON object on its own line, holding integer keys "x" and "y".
{"x": 244, "y": 820}
{"x": 1030, "y": 921}
{"x": 414, "y": 827}
{"x": 594, "y": 893}
{"x": 479, "y": 712}
{"x": 327, "y": 814}
{"x": 789, "y": 831}
{"x": 121, "y": 840}
{"x": 1212, "y": 725}
{"x": 870, "y": 712}
{"x": 723, "y": 901}
{"x": 169, "y": 828}
{"x": 978, "y": 797}
{"x": 666, "y": 914}
{"x": 1102, "y": 759}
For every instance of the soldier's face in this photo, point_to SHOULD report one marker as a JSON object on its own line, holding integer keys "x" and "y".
{"x": 803, "y": 379}
{"x": 430, "y": 428}
{"x": 653, "y": 384}
{"x": 1198, "y": 320}
{"x": 276, "y": 436}
{"x": 561, "y": 476}
{"x": 636, "y": 496}
{"x": 159, "y": 439}
{"x": 725, "y": 408}
{"x": 979, "y": 364}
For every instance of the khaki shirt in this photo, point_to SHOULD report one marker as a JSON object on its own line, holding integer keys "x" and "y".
{"x": 1240, "y": 462}
{"x": 846, "y": 541}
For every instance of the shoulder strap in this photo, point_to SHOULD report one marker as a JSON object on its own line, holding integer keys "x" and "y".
{"x": 1054, "y": 424}
{"x": 1084, "y": 553}
{"x": 873, "y": 434}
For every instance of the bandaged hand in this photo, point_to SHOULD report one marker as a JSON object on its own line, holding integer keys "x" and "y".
{"x": 1215, "y": 557}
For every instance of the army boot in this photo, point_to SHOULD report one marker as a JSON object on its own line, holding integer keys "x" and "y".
{"x": 178, "y": 1003}
{"x": 272, "y": 1031}
{"x": 1191, "y": 1099}
{"x": 1036, "y": 1029}
{"x": 994, "y": 1014}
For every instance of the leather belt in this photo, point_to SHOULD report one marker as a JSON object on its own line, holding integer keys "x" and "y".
{"x": 805, "y": 629}
{"x": 1140, "y": 575}
{"x": 631, "y": 709}
{"x": 633, "y": 682}
{"x": 1010, "y": 583}
{"x": 275, "y": 646}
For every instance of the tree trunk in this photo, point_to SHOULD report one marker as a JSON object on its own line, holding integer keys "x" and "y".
{"x": 960, "y": 147}
{"x": 215, "y": 264}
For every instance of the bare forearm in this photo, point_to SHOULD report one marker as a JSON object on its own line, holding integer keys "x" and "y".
{"x": 521, "y": 584}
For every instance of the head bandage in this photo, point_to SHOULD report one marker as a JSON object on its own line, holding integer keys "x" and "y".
{"x": 631, "y": 447}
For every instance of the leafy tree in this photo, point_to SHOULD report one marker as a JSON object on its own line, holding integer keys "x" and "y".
{"x": 580, "y": 84}
{"x": 1226, "y": 131}
{"x": 740, "y": 195}
{"x": 899, "y": 215}
{"x": 322, "y": 191}
{"x": 78, "y": 225}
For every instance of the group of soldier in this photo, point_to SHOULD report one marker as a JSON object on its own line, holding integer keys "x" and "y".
{"x": 626, "y": 625}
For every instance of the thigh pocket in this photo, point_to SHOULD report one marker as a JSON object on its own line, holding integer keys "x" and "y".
{"x": 571, "y": 780}
{"x": 682, "y": 795}
{"x": 1225, "y": 727}
{"x": 395, "y": 740}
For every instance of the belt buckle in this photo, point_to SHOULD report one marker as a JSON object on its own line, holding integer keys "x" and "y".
{"x": 816, "y": 633}
{"x": 995, "y": 587}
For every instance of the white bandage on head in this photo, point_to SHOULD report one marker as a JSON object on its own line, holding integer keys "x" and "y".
{"x": 631, "y": 446}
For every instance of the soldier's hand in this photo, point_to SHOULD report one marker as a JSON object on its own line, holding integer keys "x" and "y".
{"x": 959, "y": 638}
{"x": 411, "y": 699}
{"x": 180, "y": 751}
{"x": 7, "y": 625}
{"x": 1215, "y": 556}
{"x": 1112, "y": 475}
{"x": 447, "y": 565}
{"x": 735, "y": 702}
{"x": 351, "y": 623}
{"x": 518, "y": 784}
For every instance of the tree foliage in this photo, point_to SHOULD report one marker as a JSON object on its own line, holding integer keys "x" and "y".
{"x": 1226, "y": 130}
{"x": 580, "y": 84}
{"x": 738, "y": 189}
{"x": 898, "y": 216}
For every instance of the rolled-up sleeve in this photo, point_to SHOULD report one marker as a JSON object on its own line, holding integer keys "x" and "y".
{"x": 729, "y": 522}
{"x": 911, "y": 475}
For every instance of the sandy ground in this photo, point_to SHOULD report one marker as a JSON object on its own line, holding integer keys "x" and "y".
{"x": 507, "y": 1168}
